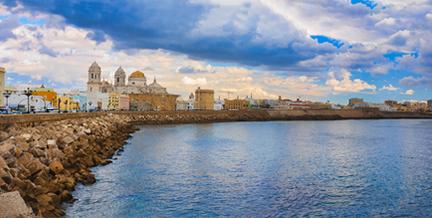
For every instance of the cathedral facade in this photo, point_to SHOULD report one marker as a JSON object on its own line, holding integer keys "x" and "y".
{"x": 143, "y": 96}
{"x": 136, "y": 83}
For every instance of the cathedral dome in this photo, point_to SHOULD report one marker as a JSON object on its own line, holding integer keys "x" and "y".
{"x": 137, "y": 74}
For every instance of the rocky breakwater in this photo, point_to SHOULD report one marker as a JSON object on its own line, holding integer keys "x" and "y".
{"x": 44, "y": 161}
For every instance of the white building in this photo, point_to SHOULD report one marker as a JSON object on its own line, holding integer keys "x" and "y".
{"x": 18, "y": 102}
{"x": 218, "y": 104}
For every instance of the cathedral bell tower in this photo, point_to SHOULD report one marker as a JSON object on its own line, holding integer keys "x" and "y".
{"x": 120, "y": 77}
{"x": 94, "y": 78}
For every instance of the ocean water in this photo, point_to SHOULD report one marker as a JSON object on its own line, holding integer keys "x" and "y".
{"x": 267, "y": 169}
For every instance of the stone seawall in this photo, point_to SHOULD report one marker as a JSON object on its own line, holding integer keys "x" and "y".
{"x": 43, "y": 156}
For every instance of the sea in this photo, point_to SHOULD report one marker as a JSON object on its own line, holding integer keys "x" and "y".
{"x": 344, "y": 168}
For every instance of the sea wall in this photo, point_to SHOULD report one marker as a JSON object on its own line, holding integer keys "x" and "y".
{"x": 44, "y": 160}
{"x": 43, "y": 156}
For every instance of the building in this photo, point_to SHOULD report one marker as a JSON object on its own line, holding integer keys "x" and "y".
{"x": 152, "y": 102}
{"x": 218, "y": 104}
{"x": 67, "y": 103}
{"x": 236, "y": 104}
{"x": 288, "y": 104}
{"x": 81, "y": 98}
{"x": 429, "y": 105}
{"x": 356, "y": 101}
{"x": 19, "y": 102}
{"x": 97, "y": 101}
{"x": 48, "y": 94}
{"x": 181, "y": 105}
{"x": 2, "y": 85}
{"x": 204, "y": 99}
{"x": 153, "y": 96}
{"x": 118, "y": 102}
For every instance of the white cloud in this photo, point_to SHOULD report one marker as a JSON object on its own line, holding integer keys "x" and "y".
{"x": 390, "y": 87}
{"x": 409, "y": 92}
{"x": 341, "y": 82}
{"x": 191, "y": 81}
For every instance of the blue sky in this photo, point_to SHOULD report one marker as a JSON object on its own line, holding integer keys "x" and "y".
{"x": 375, "y": 49}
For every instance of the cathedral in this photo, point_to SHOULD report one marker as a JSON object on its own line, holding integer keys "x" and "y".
{"x": 136, "y": 84}
{"x": 141, "y": 96}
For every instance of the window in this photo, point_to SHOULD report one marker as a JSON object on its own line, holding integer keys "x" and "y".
{"x": 92, "y": 75}
{"x": 118, "y": 79}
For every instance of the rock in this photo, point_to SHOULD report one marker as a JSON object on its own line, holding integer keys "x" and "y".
{"x": 5, "y": 147}
{"x": 3, "y": 135}
{"x": 5, "y": 176}
{"x": 87, "y": 131}
{"x": 44, "y": 200}
{"x": 88, "y": 178}
{"x": 51, "y": 143}
{"x": 67, "y": 140}
{"x": 35, "y": 166}
{"x": 26, "y": 136}
{"x": 12, "y": 205}
{"x": 56, "y": 166}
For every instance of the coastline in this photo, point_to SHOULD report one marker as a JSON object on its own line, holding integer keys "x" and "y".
{"x": 44, "y": 156}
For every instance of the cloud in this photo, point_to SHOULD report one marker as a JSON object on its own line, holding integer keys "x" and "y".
{"x": 390, "y": 88}
{"x": 409, "y": 92}
{"x": 249, "y": 33}
{"x": 6, "y": 27}
{"x": 191, "y": 81}
{"x": 341, "y": 82}
{"x": 413, "y": 81}
{"x": 195, "y": 69}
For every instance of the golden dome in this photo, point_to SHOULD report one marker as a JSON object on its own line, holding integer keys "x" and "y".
{"x": 137, "y": 74}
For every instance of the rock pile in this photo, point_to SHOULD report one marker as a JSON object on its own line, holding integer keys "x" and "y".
{"x": 45, "y": 162}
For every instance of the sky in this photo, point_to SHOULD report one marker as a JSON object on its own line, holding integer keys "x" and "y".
{"x": 319, "y": 50}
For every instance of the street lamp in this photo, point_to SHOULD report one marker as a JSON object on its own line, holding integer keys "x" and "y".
{"x": 7, "y": 94}
{"x": 28, "y": 93}
{"x": 58, "y": 105}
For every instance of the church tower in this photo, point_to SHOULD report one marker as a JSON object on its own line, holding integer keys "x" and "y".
{"x": 120, "y": 77}
{"x": 94, "y": 78}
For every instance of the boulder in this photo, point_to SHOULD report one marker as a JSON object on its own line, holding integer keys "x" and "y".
{"x": 3, "y": 136}
{"x": 26, "y": 136}
{"x": 5, "y": 147}
{"x": 56, "y": 166}
{"x": 12, "y": 205}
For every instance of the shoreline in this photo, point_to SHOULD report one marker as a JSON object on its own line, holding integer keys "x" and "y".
{"x": 44, "y": 156}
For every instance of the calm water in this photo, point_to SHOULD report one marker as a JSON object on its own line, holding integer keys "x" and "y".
{"x": 275, "y": 169}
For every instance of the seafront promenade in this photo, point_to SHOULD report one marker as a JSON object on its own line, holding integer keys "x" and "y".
{"x": 44, "y": 156}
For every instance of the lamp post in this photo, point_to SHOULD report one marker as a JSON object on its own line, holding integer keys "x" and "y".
{"x": 28, "y": 93}
{"x": 58, "y": 105}
{"x": 7, "y": 94}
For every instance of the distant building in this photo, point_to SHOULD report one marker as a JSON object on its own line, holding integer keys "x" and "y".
{"x": 48, "y": 94}
{"x": 2, "y": 85}
{"x": 18, "y": 102}
{"x": 391, "y": 103}
{"x": 118, "y": 102}
{"x": 287, "y": 104}
{"x": 356, "y": 101}
{"x": 81, "y": 98}
{"x": 67, "y": 103}
{"x": 236, "y": 104}
{"x": 181, "y": 105}
{"x": 429, "y": 103}
{"x": 191, "y": 102}
{"x": 152, "y": 102}
{"x": 204, "y": 99}
{"x": 97, "y": 101}
{"x": 219, "y": 104}
{"x": 153, "y": 96}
